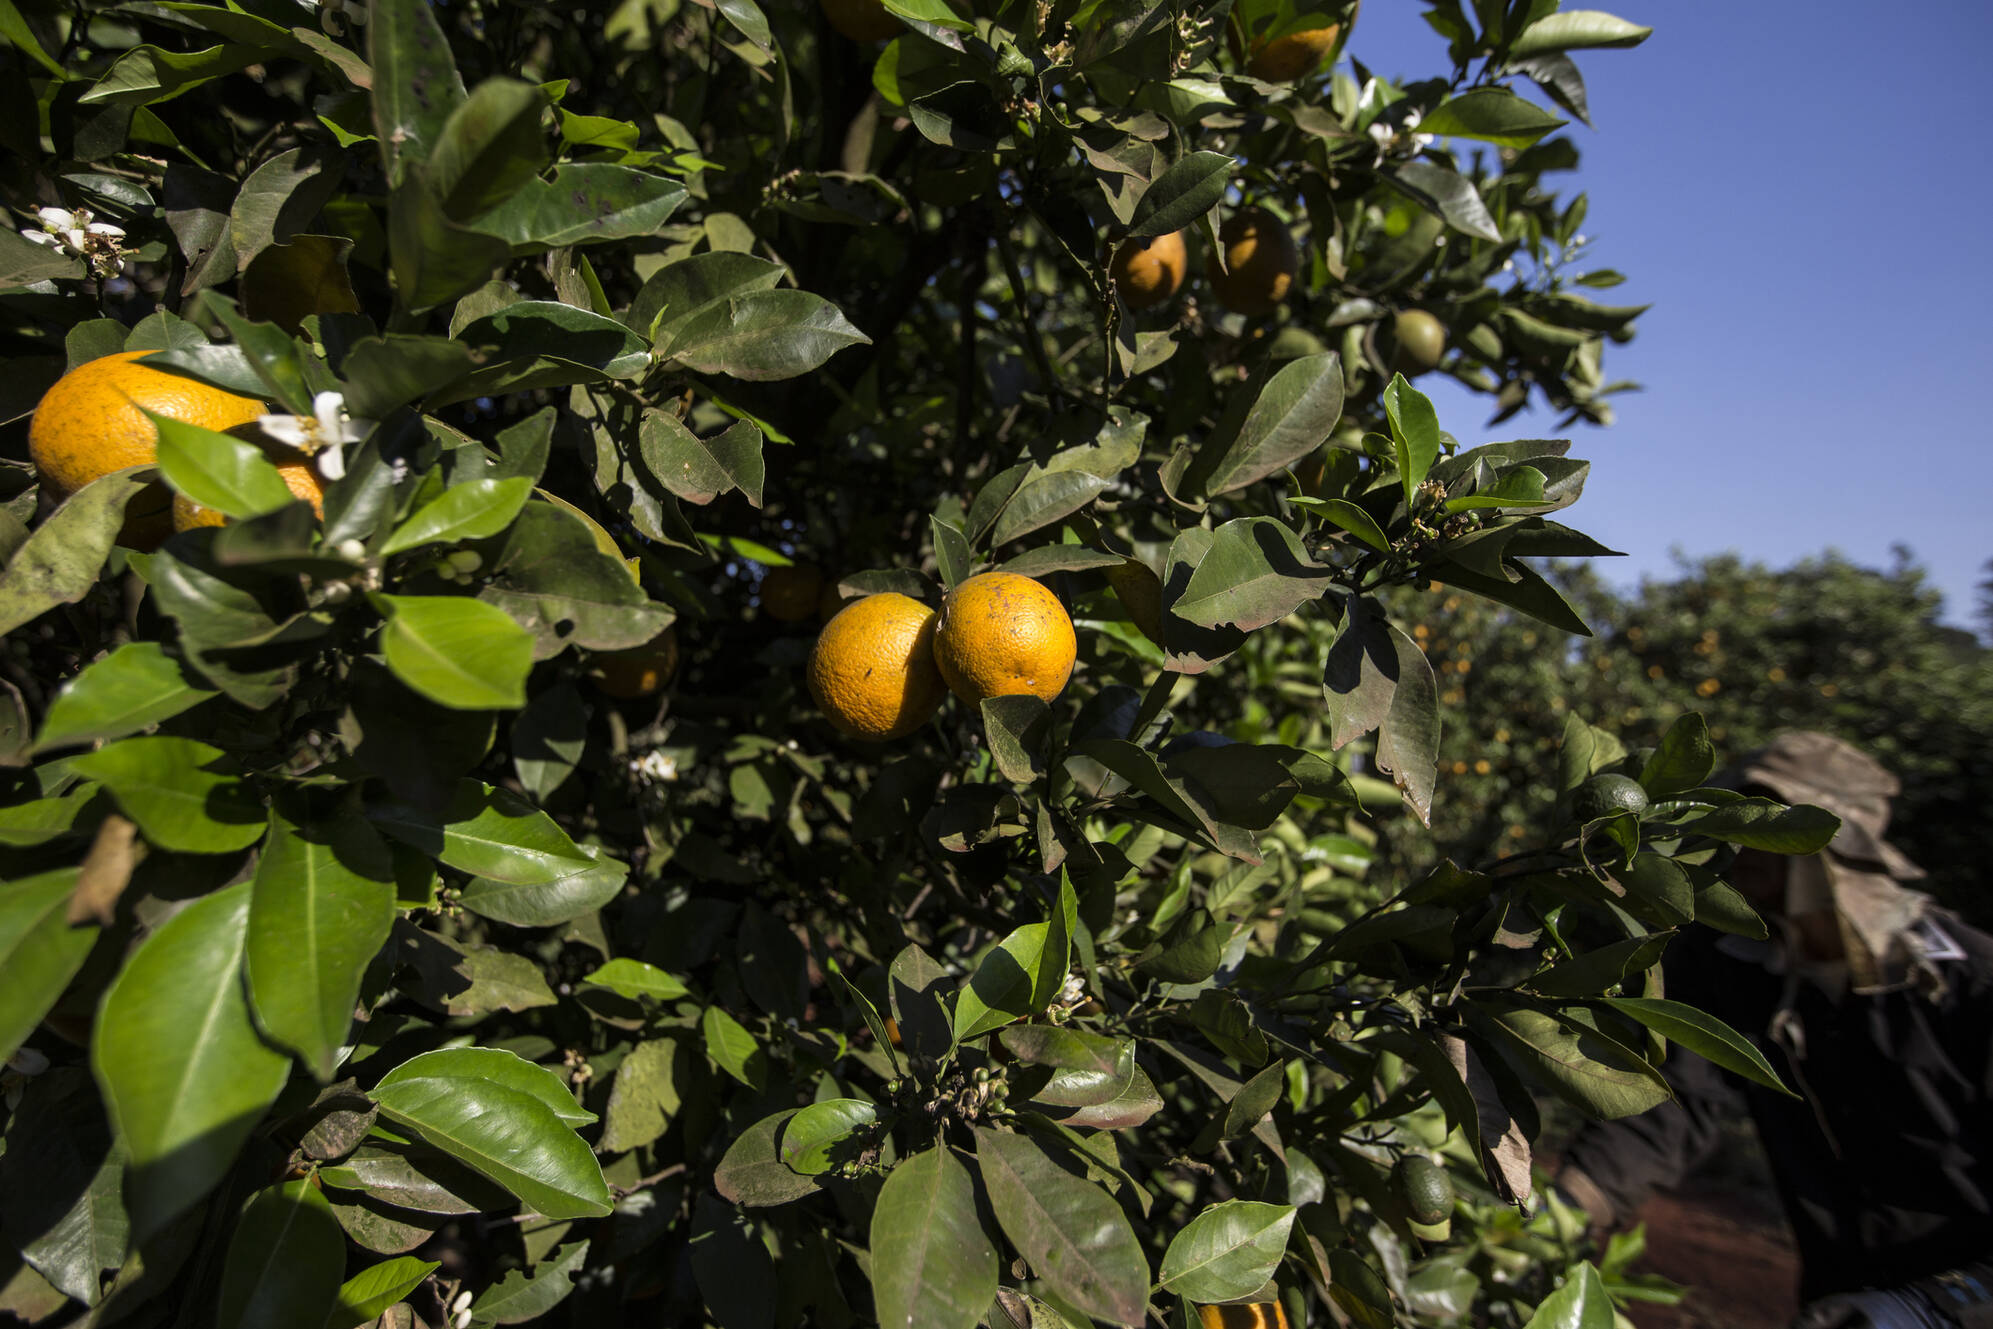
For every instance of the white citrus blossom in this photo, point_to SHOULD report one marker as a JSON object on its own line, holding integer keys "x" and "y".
{"x": 335, "y": 15}
{"x": 1399, "y": 140}
{"x": 76, "y": 234}
{"x": 322, "y": 434}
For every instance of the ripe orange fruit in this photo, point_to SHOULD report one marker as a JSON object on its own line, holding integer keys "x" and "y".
{"x": 789, "y": 595}
{"x": 641, "y": 671}
{"x": 1419, "y": 340}
{"x": 1260, "y": 262}
{"x": 1000, "y": 634}
{"x": 89, "y": 424}
{"x": 1289, "y": 57}
{"x": 1148, "y": 271}
{"x": 872, "y": 670}
{"x": 1258, "y": 1315}
{"x": 862, "y": 20}
{"x": 299, "y": 477}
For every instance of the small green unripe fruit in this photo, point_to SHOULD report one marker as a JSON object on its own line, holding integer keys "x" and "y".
{"x": 1420, "y": 340}
{"x": 1603, "y": 795}
{"x": 1425, "y": 1188}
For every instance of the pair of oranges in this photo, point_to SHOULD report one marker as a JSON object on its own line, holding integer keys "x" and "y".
{"x": 1261, "y": 260}
{"x": 881, "y": 666}
{"x": 90, "y": 423}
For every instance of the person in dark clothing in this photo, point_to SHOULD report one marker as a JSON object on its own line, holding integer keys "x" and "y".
{"x": 1876, "y": 1007}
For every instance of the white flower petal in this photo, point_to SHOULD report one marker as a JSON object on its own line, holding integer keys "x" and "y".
{"x": 330, "y": 464}
{"x": 285, "y": 429}
{"x": 57, "y": 218}
{"x": 105, "y": 228}
{"x": 41, "y": 237}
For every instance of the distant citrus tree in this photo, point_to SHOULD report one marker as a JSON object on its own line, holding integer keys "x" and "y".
{"x": 508, "y": 857}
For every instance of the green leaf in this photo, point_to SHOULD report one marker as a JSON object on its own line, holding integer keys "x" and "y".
{"x": 1582, "y": 1303}
{"x": 1704, "y": 1035}
{"x": 434, "y": 259}
{"x": 1227, "y": 1252}
{"x": 1596, "y": 970}
{"x": 1001, "y": 989}
{"x": 699, "y": 470}
{"x": 1017, "y": 728}
{"x": 644, "y": 1097}
{"x": 753, "y": 1174}
{"x": 1376, "y": 677}
{"x": 487, "y": 832}
{"x": 634, "y": 979}
{"x": 1180, "y": 195}
{"x": 135, "y": 686}
{"x": 234, "y": 478}
{"x": 540, "y": 904}
{"x": 63, "y": 1175}
{"x": 952, "y": 556}
{"x": 1576, "y": 30}
{"x": 1071, "y": 1232}
{"x": 468, "y": 511}
{"x": 416, "y": 85}
{"x": 1580, "y": 1064}
{"x": 497, "y": 1066}
{"x": 1289, "y": 418}
{"x": 811, "y": 1138}
{"x": 677, "y": 291}
{"x": 763, "y": 335}
{"x": 456, "y": 651}
{"x": 511, "y": 1136}
{"x": 320, "y": 910}
{"x": 1451, "y": 195}
{"x": 144, "y": 75}
{"x": 61, "y": 559}
{"x": 1255, "y": 573}
{"x": 521, "y": 1296}
{"x": 284, "y": 1261}
{"x": 488, "y": 148}
{"x": 732, "y": 1047}
{"x": 367, "y": 1294}
{"x": 1518, "y": 487}
{"x": 39, "y": 951}
{"x": 166, "y": 786}
{"x": 1348, "y": 516}
{"x": 177, "y": 1055}
{"x": 1494, "y": 115}
{"x": 543, "y": 343}
{"x": 1760, "y": 823}
{"x": 932, "y": 1263}
{"x": 1414, "y": 431}
{"x": 415, "y": 1178}
{"x": 1682, "y": 760}
{"x": 554, "y": 580}
{"x": 585, "y": 203}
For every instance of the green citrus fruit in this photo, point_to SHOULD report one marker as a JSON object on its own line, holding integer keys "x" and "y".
{"x": 1420, "y": 340}
{"x": 1425, "y": 1188}
{"x": 1603, "y": 795}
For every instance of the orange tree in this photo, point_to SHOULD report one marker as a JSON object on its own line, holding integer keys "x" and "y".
{"x": 448, "y": 895}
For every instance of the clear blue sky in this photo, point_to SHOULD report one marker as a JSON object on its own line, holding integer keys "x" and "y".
{"x": 1800, "y": 189}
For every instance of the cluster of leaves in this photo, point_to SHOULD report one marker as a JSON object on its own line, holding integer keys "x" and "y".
{"x": 358, "y": 954}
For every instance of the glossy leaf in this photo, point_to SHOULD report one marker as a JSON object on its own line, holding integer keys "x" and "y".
{"x": 39, "y": 950}
{"x": 416, "y": 86}
{"x": 522, "y": 1295}
{"x": 1189, "y": 189}
{"x": 555, "y": 581}
{"x": 584, "y": 203}
{"x": 699, "y": 470}
{"x": 59, "y": 562}
{"x": 488, "y": 148}
{"x": 677, "y": 291}
{"x": 1227, "y": 1252}
{"x": 634, "y": 979}
{"x": 1493, "y": 115}
{"x": 234, "y": 478}
{"x": 932, "y": 1263}
{"x": 812, "y": 1138}
{"x": 1582, "y": 1303}
{"x": 487, "y": 832}
{"x": 644, "y": 1097}
{"x": 1582, "y": 1065}
{"x": 1289, "y": 418}
{"x": 135, "y": 686}
{"x": 763, "y": 335}
{"x": 509, "y": 1135}
{"x": 367, "y": 1294}
{"x": 1255, "y": 574}
{"x": 1070, "y": 1231}
{"x": 1704, "y": 1035}
{"x": 179, "y": 1060}
{"x": 467, "y": 511}
{"x": 322, "y": 904}
{"x": 1682, "y": 760}
{"x": 456, "y": 651}
{"x": 753, "y": 1174}
{"x": 1760, "y": 823}
{"x": 63, "y": 1175}
{"x": 1415, "y": 432}
{"x": 169, "y": 787}
{"x": 284, "y": 1262}
{"x": 1577, "y": 30}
